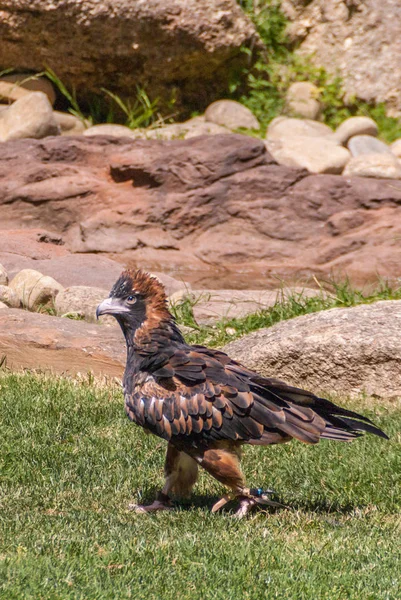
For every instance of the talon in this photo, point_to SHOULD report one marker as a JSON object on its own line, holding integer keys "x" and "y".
{"x": 155, "y": 506}
{"x": 222, "y": 502}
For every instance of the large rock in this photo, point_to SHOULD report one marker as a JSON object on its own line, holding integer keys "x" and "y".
{"x": 30, "y": 117}
{"x": 380, "y": 166}
{"x": 60, "y": 346}
{"x": 343, "y": 350}
{"x": 178, "y": 51}
{"x": 35, "y": 290}
{"x": 360, "y": 40}
{"x": 317, "y": 155}
{"x": 220, "y": 214}
{"x": 232, "y": 115}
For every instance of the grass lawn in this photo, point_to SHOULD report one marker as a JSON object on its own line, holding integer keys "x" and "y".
{"x": 70, "y": 462}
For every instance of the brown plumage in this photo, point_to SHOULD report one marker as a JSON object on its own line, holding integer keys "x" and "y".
{"x": 206, "y": 405}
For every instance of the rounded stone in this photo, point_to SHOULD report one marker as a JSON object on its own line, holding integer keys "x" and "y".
{"x": 302, "y": 100}
{"x": 366, "y": 144}
{"x": 69, "y": 124}
{"x": 35, "y": 290}
{"x": 317, "y": 155}
{"x": 355, "y": 126}
{"x": 28, "y": 81}
{"x": 287, "y": 127}
{"x": 109, "y": 129}
{"x": 82, "y": 300}
{"x": 9, "y": 297}
{"x": 381, "y": 166}
{"x": 29, "y": 117}
{"x": 231, "y": 114}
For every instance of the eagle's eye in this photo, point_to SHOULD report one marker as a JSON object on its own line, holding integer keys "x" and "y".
{"x": 131, "y": 299}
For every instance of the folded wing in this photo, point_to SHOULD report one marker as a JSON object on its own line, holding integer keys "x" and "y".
{"x": 201, "y": 395}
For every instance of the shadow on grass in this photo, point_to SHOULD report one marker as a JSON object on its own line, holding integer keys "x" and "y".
{"x": 205, "y": 501}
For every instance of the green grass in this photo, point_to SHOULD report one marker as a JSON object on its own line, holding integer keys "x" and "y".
{"x": 71, "y": 462}
{"x": 287, "y": 306}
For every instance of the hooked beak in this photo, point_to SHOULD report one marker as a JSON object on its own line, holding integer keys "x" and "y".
{"x": 111, "y": 306}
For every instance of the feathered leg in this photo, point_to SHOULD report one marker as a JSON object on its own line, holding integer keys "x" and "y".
{"x": 223, "y": 463}
{"x": 181, "y": 473}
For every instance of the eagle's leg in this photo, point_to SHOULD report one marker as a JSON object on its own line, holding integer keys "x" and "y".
{"x": 223, "y": 463}
{"x": 181, "y": 472}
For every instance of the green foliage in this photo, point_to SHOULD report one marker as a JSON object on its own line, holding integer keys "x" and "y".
{"x": 71, "y": 97}
{"x": 279, "y": 66}
{"x": 287, "y": 306}
{"x": 141, "y": 113}
{"x": 70, "y": 462}
{"x": 110, "y": 107}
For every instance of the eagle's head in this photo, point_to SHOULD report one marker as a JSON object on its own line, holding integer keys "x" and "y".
{"x": 137, "y": 299}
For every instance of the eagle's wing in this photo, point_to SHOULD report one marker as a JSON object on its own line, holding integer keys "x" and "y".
{"x": 201, "y": 394}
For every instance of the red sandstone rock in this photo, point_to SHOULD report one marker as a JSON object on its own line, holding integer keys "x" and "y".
{"x": 219, "y": 210}
{"x": 61, "y": 346}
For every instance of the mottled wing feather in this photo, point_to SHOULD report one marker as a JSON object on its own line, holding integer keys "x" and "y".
{"x": 198, "y": 395}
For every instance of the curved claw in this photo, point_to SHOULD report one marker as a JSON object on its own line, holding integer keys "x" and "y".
{"x": 222, "y": 502}
{"x": 155, "y": 506}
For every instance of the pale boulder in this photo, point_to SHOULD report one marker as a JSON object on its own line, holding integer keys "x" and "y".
{"x": 35, "y": 290}
{"x": 303, "y": 100}
{"x": 287, "y": 127}
{"x": 29, "y": 117}
{"x": 381, "y": 166}
{"x": 69, "y": 124}
{"x": 231, "y": 114}
{"x": 355, "y": 126}
{"x": 110, "y": 129}
{"x": 345, "y": 351}
{"x": 317, "y": 155}
{"x": 2, "y": 305}
{"x": 82, "y": 301}
{"x": 9, "y": 297}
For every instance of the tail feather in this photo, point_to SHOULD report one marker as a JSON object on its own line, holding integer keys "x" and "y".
{"x": 308, "y": 417}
